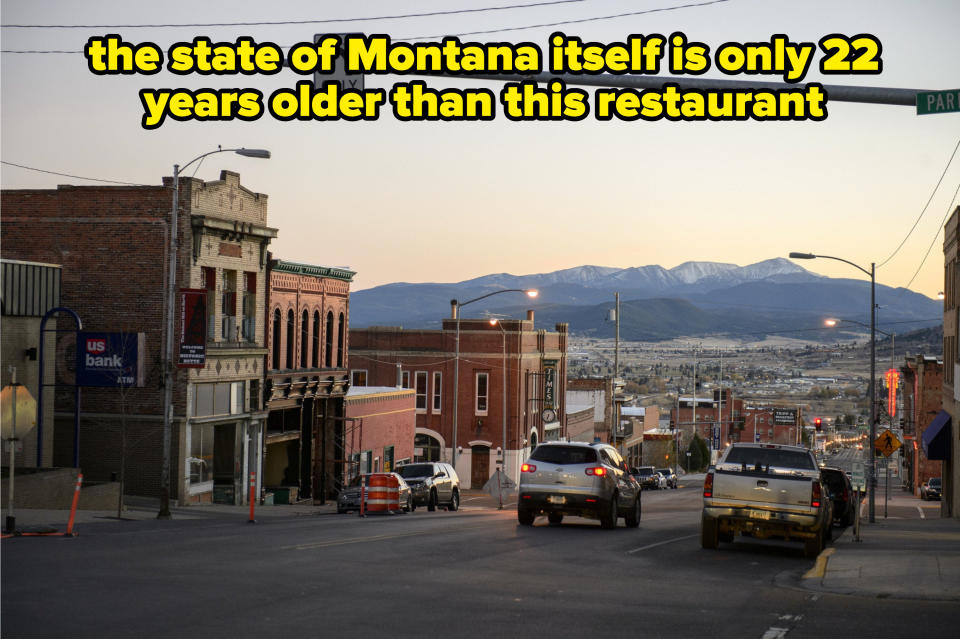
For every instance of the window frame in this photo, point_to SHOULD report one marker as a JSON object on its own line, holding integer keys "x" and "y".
{"x": 437, "y": 392}
{"x": 481, "y": 412}
{"x": 421, "y": 407}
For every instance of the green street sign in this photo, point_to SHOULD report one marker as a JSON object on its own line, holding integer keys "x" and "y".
{"x": 938, "y": 101}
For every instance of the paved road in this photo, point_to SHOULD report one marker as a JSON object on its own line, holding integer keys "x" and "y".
{"x": 474, "y": 573}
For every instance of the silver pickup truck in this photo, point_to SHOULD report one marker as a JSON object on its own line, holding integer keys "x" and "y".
{"x": 766, "y": 490}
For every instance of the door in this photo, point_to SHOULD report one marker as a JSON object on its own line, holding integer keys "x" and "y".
{"x": 225, "y": 464}
{"x": 479, "y": 466}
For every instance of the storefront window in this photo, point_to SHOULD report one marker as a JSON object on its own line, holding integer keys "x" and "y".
{"x": 201, "y": 453}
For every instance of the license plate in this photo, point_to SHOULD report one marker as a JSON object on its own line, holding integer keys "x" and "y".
{"x": 556, "y": 499}
{"x": 758, "y": 514}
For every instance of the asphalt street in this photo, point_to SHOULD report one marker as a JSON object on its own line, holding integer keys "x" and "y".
{"x": 472, "y": 573}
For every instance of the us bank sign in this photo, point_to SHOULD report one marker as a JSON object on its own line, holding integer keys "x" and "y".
{"x": 110, "y": 359}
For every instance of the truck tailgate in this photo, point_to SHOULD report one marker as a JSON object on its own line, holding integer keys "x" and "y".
{"x": 761, "y": 490}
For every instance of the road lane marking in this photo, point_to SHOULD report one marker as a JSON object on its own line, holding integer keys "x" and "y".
{"x": 661, "y": 543}
{"x": 360, "y": 540}
{"x": 922, "y": 516}
{"x": 775, "y": 633}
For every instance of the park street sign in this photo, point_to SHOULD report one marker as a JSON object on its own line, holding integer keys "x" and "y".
{"x": 887, "y": 443}
{"x": 938, "y": 101}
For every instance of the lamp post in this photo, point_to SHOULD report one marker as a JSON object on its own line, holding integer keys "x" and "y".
{"x": 873, "y": 366}
{"x": 456, "y": 360}
{"x": 503, "y": 445}
{"x": 168, "y": 365}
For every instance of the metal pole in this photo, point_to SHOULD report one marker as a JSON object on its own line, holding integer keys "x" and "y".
{"x": 456, "y": 385}
{"x": 871, "y": 472}
{"x": 616, "y": 375}
{"x": 503, "y": 449}
{"x": 168, "y": 350}
{"x": 12, "y": 442}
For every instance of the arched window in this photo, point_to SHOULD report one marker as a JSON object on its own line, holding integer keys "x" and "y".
{"x": 328, "y": 352}
{"x": 290, "y": 333}
{"x": 276, "y": 339}
{"x": 340, "y": 340}
{"x": 316, "y": 339}
{"x": 304, "y": 339}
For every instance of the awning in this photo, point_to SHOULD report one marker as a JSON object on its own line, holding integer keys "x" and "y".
{"x": 936, "y": 437}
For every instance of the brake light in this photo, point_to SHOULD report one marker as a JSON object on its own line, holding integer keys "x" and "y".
{"x": 708, "y": 485}
{"x": 817, "y": 495}
{"x": 528, "y": 468}
{"x": 598, "y": 471}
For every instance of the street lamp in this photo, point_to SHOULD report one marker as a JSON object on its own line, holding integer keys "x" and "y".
{"x": 168, "y": 367}
{"x": 873, "y": 364}
{"x": 456, "y": 362}
{"x": 503, "y": 445}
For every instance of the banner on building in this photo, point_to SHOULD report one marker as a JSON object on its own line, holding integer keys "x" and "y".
{"x": 785, "y": 416}
{"x": 549, "y": 383}
{"x": 193, "y": 328}
{"x": 110, "y": 359}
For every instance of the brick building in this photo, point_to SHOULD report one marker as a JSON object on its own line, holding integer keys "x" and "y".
{"x": 424, "y": 361}
{"x": 112, "y": 244}
{"x": 306, "y": 319}
{"x": 380, "y": 429}
{"x": 922, "y": 392}
{"x": 944, "y": 444}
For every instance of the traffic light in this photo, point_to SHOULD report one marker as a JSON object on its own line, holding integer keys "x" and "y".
{"x": 818, "y": 423}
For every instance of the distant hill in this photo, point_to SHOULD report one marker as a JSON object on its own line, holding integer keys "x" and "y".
{"x": 694, "y": 298}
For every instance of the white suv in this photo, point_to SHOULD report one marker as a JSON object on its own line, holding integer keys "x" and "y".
{"x": 432, "y": 484}
{"x": 579, "y": 479}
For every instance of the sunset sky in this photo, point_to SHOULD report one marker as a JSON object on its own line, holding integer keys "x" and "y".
{"x": 437, "y": 201}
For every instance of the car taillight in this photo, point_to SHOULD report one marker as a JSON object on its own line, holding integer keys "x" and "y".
{"x": 528, "y": 468}
{"x": 817, "y": 495}
{"x": 598, "y": 471}
{"x": 708, "y": 485}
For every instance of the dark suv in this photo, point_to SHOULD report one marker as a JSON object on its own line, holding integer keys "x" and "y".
{"x": 432, "y": 484}
{"x": 841, "y": 493}
{"x": 579, "y": 479}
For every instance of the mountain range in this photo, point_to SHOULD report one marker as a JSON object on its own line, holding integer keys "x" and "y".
{"x": 689, "y": 300}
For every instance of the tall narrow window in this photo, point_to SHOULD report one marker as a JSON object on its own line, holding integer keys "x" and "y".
{"x": 304, "y": 339}
{"x": 328, "y": 344}
{"x": 249, "y": 326}
{"x": 316, "y": 339}
{"x": 437, "y": 391}
{"x": 229, "y": 306}
{"x": 406, "y": 379}
{"x": 275, "y": 365}
{"x": 482, "y": 393}
{"x": 358, "y": 378}
{"x": 210, "y": 284}
{"x": 341, "y": 337}
{"x": 290, "y": 334}
{"x": 420, "y": 385}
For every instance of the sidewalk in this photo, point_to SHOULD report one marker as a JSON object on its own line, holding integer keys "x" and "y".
{"x": 900, "y": 558}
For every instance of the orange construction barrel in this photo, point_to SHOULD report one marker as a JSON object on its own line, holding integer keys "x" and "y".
{"x": 383, "y": 493}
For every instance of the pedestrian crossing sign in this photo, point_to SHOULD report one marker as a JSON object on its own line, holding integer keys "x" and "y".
{"x": 887, "y": 443}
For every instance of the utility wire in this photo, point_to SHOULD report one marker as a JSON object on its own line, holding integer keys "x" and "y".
{"x": 78, "y": 177}
{"x": 401, "y": 16}
{"x": 465, "y": 33}
{"x": 930, "y": 199}
{"x": 936, "y": 235}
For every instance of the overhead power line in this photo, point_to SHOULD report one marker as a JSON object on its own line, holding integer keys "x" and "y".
{"x": 930, "y": 199}
{"x": 403, "y": 39}
{"x": 69, "y": 175}
{"x": 270, "y": 23}
{"x": 935, "y": 236}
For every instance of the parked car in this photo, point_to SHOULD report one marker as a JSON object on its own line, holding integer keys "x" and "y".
{"x": 579, "y": 479}
{"x": 432, "y": 484}
{"x": 646, "y": 476}
{"x": 669, "y": 476}
{"x": 349, "y": 497}
{"x": 841, "y": 493}
{"x": 931, "y": 489}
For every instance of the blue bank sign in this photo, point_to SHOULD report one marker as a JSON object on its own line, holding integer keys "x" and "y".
{"x": 110, "y": 359}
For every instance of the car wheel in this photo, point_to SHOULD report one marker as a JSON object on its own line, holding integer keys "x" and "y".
{"x": 814, "y": 546}
{"x": 555, "y": 518}
{"x": 454, "y": 501}
{"x": 409, "y": 503}
{"x": 829, "y": 535}
{"x": 709, "y": 533}
{"x": 340, "y": 510}
{"x": 525, "y": 517}
{"x": 608, "y": 520}
{"x": 432, "y": 501}
{"x": 632, "y": 520}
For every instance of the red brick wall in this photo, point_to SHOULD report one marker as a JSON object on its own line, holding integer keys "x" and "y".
{"x": 381, "y": 420}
